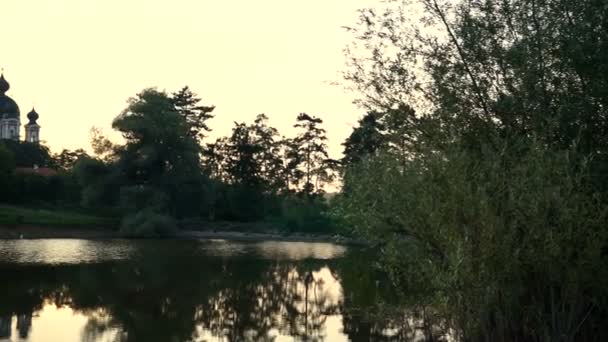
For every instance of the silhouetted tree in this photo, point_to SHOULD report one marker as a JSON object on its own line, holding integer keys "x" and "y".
{"x": 7, "y": 162}
{"x": 365, "y": 140}
{"x": 241, "y": 163}
{"x": 270, "y": 156}
{"x": 7, "y": 167}
{"x": 187, "y": 104}
{"x": 66, "y": 159}
{"x": 308, "y": 156}
{"x": 159, "y": 154}
{"x": 103, "y": 147}
{"x": 28, "y": 154}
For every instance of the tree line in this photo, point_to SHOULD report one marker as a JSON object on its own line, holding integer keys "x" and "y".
{"x": 166, "y": 170}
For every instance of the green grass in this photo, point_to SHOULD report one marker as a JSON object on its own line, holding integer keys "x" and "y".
{"x": 13, "y": 216}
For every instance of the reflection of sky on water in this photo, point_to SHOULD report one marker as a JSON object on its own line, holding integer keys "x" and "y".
{"x": 51, "y": 322}
{"x": 333, "y": 326}
{"x": 63, "y": 251}
{"x": 274, "y": 249}
{"x": 73, "y": 251}
{"x": 58, "y": 324}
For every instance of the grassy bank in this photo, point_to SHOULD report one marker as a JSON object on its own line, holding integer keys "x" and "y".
{"x": 36, "y": 223}
{"x": 55, "y": 218}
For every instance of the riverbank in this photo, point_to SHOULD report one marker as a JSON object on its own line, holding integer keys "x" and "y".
{"x": 14, "y": 216}
{"x": 32, "y": 223}
{"x": 40, "y": 232}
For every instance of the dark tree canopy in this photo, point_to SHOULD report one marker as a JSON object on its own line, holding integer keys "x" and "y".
{"x": 28, "y": 154}
{"x": 66, "y": 159}
{"x": 365, "y": 139}
{"x": 196, "y": 115}
{"x": 308, "y": 158}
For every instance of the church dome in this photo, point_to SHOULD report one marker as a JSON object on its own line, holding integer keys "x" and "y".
{"x": 33, "y": 116}
{"x": 4, "y": 85}
{"x": 8, "y": 107}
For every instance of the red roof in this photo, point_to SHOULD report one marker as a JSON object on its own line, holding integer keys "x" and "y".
{"x": 42, "y": 171}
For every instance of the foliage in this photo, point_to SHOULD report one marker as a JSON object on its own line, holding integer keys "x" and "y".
{"x": 59, "y": 189}
{"x": 488, "y": 237}
{"x": 186, "y": 103}
{"x": 7, "y": 161}
{"x": 366, "y": 140}
{"x": 159, "y": 152}
{"x": 66, "y": 159}
{"x": 148, "y": 224}
{"x": 478, "y": 69}
{"x": 99, "y": 183}
{"x": 7, "y": 165}
{"x": 163, "y": 168}
{"x": 103, "y": 148}
{"x": 250, "y": 157}
{"x": 305, "y": 215}
{"x": 27, "y": 154}
{"x": 490, "y": 200}
{"x": 309, "y": 165}
{"x": 256, "y": 172}
{"x": 25, "y": 188}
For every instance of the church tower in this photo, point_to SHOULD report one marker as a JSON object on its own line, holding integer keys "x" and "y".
{"x": 32, "y": 129}
{"x": 10, "y": 125}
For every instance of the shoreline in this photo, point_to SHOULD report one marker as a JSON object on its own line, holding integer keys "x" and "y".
{"x": 27, "y": 232}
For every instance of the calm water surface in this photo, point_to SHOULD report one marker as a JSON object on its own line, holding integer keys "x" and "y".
{"x": 123, "y": 290}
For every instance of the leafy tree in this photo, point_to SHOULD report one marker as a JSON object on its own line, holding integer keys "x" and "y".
{"x": 485, "y": 70}
{"x": 28, "y": 154}
{"x": 308, "y": 157}
{"x": 7, "y": 162}
{"x": 270, "y": 156}
{"x": 293, "y": 159}
{"x": 66, "y": 159}
{"x": 159, "y": 152}
{"x": 7, "y": 167}
{"x": 214, "y": 159}
{"x": 498, "y": 186}
{"x": 365, "y": 140}
{"x": 397, "y": 131}
{"x": 100, "y": 182}
{"x": 242, "y": 164}
{"x": 251, "y": 155}
{"x": 186, "y": 103}
{"x": 250, "y": 161}
{"x": 102, "y": 146}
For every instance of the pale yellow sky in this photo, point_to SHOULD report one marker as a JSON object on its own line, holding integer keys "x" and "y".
{"x": 79, "y": 60}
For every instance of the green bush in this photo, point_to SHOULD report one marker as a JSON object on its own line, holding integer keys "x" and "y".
{"x": 303, "y": 214}
{"x": 148, "y": 224}
{"x": 506, "y": 244}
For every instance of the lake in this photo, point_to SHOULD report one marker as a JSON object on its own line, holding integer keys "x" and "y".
{"x": 178, "y": 290}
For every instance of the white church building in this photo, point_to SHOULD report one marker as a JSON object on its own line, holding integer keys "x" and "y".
{"x": 10, "y": 118}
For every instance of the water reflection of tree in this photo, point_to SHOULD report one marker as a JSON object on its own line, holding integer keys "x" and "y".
{"x": 282, "y": 297}
{"x": 371, "y": 309}
{"x": 177, "y": 297}
{"x": 171, "y": 299}
{"x": 21, "y": 297}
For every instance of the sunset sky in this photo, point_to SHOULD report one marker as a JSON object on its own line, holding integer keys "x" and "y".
{"x": 79, "y": 61}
